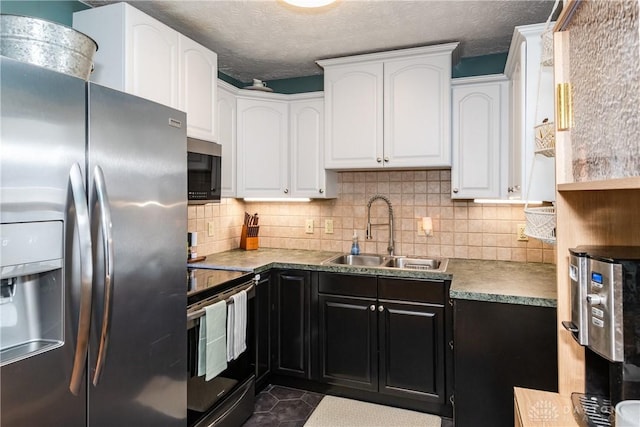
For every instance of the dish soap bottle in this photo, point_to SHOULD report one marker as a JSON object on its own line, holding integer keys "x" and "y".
{"x": 355, "y": 247}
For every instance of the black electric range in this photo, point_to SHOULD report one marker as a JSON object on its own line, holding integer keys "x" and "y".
{"x": 204, "y": 282}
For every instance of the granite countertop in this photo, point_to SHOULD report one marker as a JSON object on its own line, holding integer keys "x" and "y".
{"x": 480, "y": 280}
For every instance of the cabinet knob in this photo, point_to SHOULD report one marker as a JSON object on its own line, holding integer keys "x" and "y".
{"x": 379, "y": 160}
{"x": 286, "y": 191}
{"x": 372, "y": 307}
{"x": 381, "y": 308}
{"x": 321, "y": 191}
{"x": 455, "y": 190}
{"x": 386, "y": 159}
{"x": 513, "y": 189}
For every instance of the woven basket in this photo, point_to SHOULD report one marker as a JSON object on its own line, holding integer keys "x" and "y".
{"x": 546, "y": 57}
{"x": 545, "y": 136}
{"x": 541, "y": 223}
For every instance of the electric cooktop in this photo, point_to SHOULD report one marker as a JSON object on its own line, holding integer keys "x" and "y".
{"x": 201, "y": 280}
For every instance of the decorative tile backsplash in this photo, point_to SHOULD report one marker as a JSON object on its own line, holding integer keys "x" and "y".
{"x": 462, "y": 229}
{"x": 604, "y": 135}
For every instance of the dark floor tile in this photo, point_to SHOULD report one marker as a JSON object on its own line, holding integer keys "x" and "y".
{"x": 278, "y": 406}
{"x": 292, "y": 410}
{"x": 446, "y": 422}
{"x": 284, "y": 393}
{"x": 264, "y": 402}
{"x": 312, "y": 398}
{"x": 293, "y": 423}
{"x": 265, "y": 419}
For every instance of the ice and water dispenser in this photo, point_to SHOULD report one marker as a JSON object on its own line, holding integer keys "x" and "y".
{"x": 31, "y": 289}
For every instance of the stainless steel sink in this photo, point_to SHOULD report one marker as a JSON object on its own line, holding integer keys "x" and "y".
{"x": 367, "y": 260}
{"x": 417, "y": 263}
{"x": 387, "y": 261}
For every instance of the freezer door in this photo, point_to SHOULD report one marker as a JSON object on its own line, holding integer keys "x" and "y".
{"x": 140, "y": 352}
{"x": 42, "y": 134}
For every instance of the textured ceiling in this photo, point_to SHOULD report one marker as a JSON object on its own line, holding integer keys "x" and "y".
{"x": 268, "y": 39}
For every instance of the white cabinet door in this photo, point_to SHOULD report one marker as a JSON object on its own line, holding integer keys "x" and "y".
{"x": 152, "y": 58}
{"x": 262, "y": 148}
{"x": 389, "y": 109}
{"x": 308, "y": 176}
{"x": 417, "y": 112}
{"x": 226, "y": 125}
{"x": 198, "y": 88}
{"x": 531, "y": 176}
{"x": 354, "y": 116}
{"x": 479, "y": 131}
{"x": 136, "y": 53}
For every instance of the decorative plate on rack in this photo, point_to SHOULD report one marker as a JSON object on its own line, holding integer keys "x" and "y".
{"x": 260, "y": 88}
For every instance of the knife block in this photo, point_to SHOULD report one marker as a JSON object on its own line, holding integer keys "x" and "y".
{"x": 248, "y": 243}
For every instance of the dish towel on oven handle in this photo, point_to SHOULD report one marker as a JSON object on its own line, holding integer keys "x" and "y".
{"x": 212, "y": 341}
{"x": 237, "y": 326}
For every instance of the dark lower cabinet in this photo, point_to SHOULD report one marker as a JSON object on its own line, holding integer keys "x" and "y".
{"x": 291, "y": 323}
{"x": 348, "y": 341}
{"x": 497, "y": 347}
{"x": 412, "y": 354}
{"x": 263, "y": 331}
{"x": 386, "y": 336}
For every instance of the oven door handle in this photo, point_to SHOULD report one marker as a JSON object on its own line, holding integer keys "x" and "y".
{"x": 199, "y": 313}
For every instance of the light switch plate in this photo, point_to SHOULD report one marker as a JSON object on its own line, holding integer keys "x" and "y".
{"x": 308, "y": 226}
{"x": 211, "y": 229}
{"x": 521, "y": 237}
{"x": 328, "y": 226}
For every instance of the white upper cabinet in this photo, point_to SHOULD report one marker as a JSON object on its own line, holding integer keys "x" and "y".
{"x": 280, "y": 146}
{"x": 226, "y": 113}
{"x": 389, "y": 109}
{"x": 307, "y": 174}
{"x": 198, "y": 88}
{"x": 416, "y": 111}
{"x": 354, "y": 116}
{"x": 139, "y": 55}
{"x": 480, "y": 126}
{"x": 263, "y": 148}
{"x": 136, "y": 53}
{"x": 532, "y": 100}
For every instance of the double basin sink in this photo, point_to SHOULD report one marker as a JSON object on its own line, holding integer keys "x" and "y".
{"x": 389, "y": 261}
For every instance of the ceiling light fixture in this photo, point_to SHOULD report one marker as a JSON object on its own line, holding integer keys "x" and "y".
{"x": 309, "y": 3}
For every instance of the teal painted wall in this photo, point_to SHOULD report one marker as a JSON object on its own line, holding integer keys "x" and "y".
{"x": 62, "y": 12}
{"x": 480, "y": 65}
{"x": 472, "y": 66}
{"x": 56, "y": 11}
{"x": 298, "y": 84}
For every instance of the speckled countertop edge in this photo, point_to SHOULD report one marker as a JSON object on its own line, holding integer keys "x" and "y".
{"x": 478, "y": 280}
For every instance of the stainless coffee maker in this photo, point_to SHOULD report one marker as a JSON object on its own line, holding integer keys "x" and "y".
{"x": 605, "y": 317}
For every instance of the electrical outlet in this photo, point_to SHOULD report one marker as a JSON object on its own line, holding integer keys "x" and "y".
{"x": 521, "y": 237}
{"x": 308, "y": 226}
{"x": 211, "y": 229}
{"x": 328, "y": 226}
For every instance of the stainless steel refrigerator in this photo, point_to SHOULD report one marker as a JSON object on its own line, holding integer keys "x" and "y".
{"x": 93, "y": 207}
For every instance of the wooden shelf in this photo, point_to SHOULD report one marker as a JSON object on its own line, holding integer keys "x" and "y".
{"x": 542, "y": 409}
{"x": 632, "y": 183}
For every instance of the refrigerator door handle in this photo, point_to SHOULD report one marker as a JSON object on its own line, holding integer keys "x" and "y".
{"x": 107, "y": 242}
{"x": 86, "y": 277}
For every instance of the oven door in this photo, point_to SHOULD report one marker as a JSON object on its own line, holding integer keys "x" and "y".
{"x": 227, "y": 399}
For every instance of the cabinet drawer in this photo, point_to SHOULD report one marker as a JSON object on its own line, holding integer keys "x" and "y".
{"x": 347, "y": 284}
{"x": 432, "y": 291}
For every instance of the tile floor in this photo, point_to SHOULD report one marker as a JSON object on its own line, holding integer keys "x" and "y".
{"x": 278, "y": 406}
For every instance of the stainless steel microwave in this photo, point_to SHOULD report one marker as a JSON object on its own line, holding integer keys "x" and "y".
{"x": 204, "y": 167}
